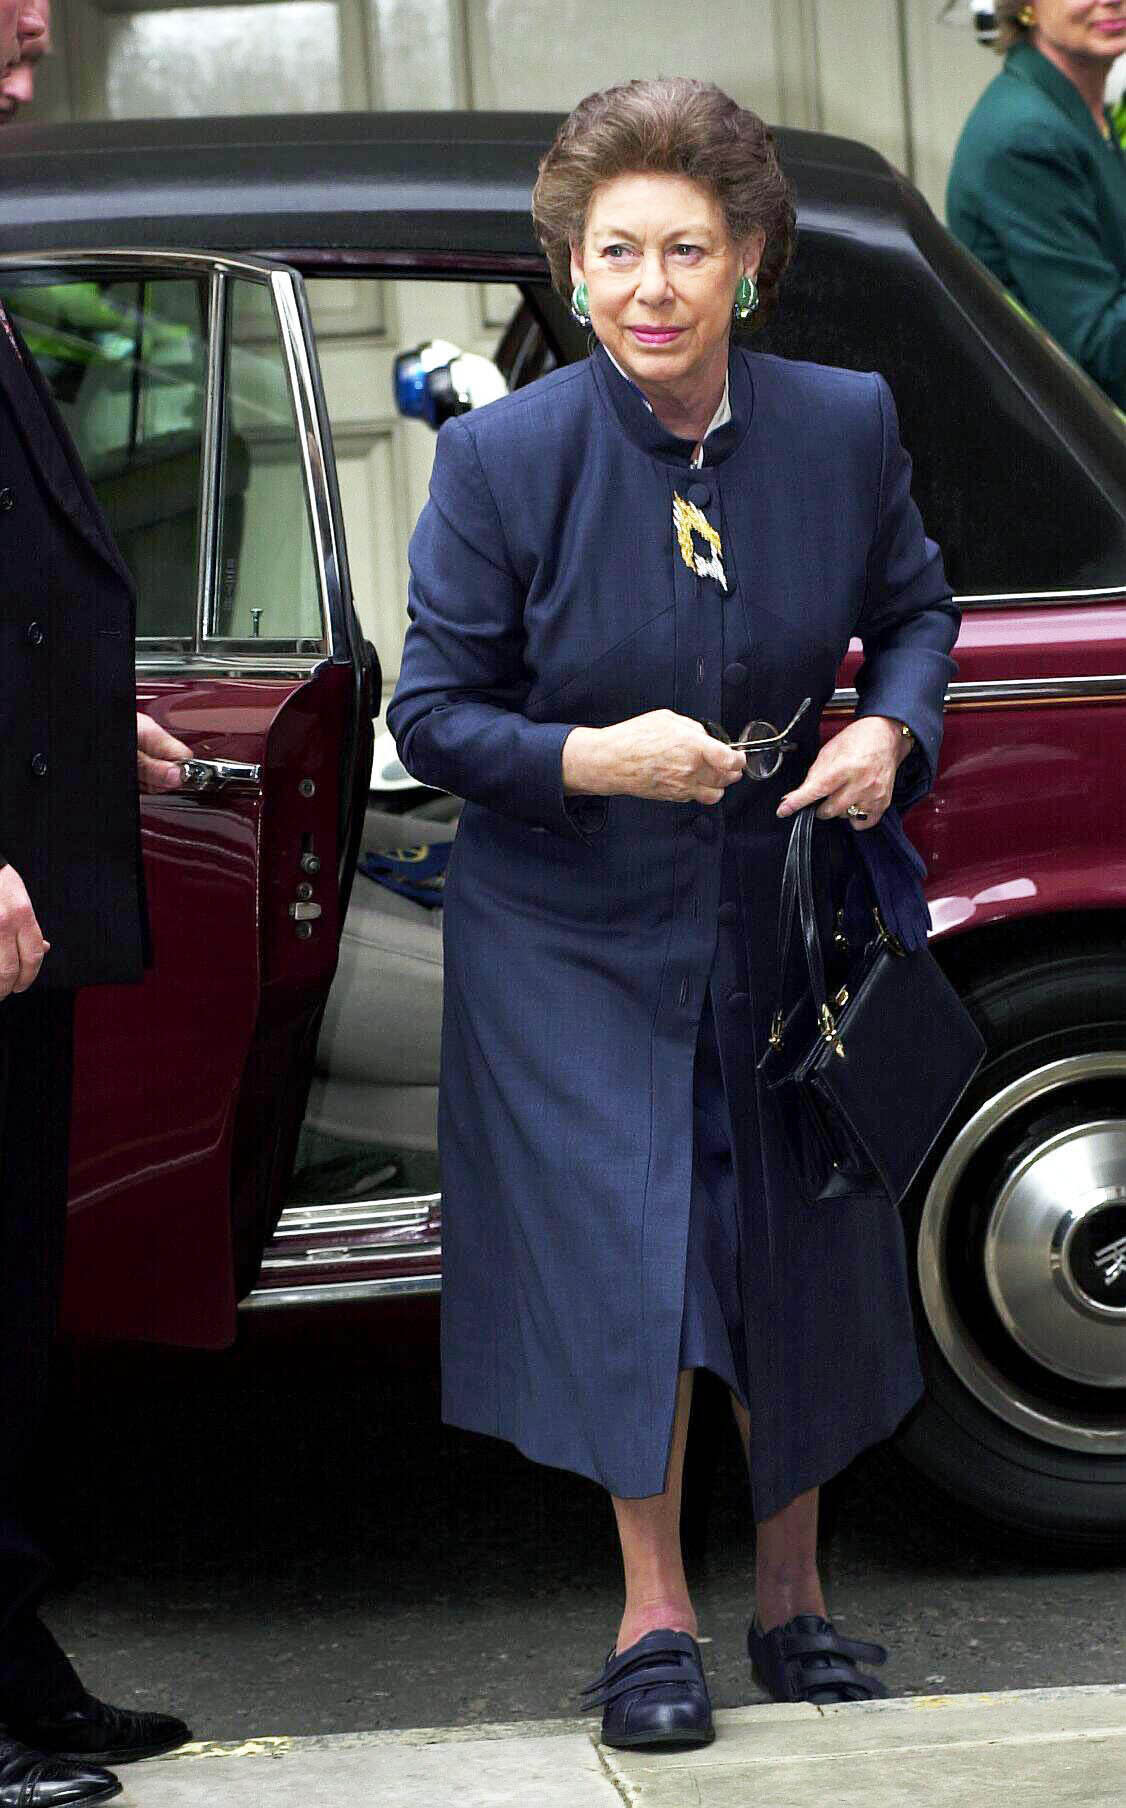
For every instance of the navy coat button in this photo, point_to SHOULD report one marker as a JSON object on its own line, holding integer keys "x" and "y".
{"x": 700, "y": 494}
{"x": 7, "y": 498}
{"x": 35, "y": 633}
{"x": 738, "y": 999}
{"x": 727, "y": 914}
{"x": 39, "y": 764}
{"x": 734, "y": 673}
{"x": 704, "y": 827}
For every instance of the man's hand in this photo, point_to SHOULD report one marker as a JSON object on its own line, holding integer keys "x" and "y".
{"x": 21, "y": 940}
{"x": 858, "y": 766}
{"x": 661, "y": 755}
{"x": 158, "y": 756}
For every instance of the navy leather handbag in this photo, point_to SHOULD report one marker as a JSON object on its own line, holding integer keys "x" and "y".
{"x": 867, "y": 1062}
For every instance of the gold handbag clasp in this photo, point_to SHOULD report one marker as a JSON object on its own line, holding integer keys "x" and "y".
{"x": 829, "y": 1030}
{"x": 884, "y": 936}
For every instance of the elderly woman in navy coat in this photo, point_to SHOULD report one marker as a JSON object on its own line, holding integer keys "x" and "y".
{"x": 675, "y": 531}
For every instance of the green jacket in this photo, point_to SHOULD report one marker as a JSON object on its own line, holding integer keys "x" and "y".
{"x": 1039, "y": 196}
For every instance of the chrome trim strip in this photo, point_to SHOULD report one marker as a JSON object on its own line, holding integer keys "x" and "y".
{"x": 165, "y": 666}
{"x": 1014, "y": 690}
{"x": 412, "y": 1211}
{"x": 1041, "y": 599}
{"x": 211, "y": 464}
{"x": 402, "y": 1229}
{"x": 198, "y": 262}
{"x": 341, "y": 1293}
{"x": 340, "y": 1255}
{"x": 313, "y": 455}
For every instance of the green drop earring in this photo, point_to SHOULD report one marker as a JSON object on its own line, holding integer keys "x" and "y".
{"x": 580, "y": 304}
{"x": 746, "y": 298}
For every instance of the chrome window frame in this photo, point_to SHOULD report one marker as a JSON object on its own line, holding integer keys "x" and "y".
{"x": 1010, "y": 693}
{"x": 206, "y": 653}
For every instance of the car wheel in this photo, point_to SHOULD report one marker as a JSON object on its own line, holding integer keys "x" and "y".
{"x": 1017, "y": 1232}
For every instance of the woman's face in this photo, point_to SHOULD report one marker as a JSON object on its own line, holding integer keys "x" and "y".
{"x": 1081, "y": 28}
{"x": 661, "y": 272}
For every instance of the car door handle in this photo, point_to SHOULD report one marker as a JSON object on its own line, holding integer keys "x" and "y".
{"x": 219, "y": 775}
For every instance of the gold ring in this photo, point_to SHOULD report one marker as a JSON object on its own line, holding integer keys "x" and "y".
{"x": 856, "y": 813}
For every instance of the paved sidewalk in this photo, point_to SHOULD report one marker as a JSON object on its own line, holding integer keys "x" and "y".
{"x": 1037, "y": 1748}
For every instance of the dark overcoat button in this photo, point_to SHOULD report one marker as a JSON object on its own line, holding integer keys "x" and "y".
{"x": 700, "y": 494}
{"x": 7, "y": 498}
{"x": 734, "y": 673}
{"x": 39, "y": 764}
{"x": 35, "y": 633}
{"x": 727, "y": 914}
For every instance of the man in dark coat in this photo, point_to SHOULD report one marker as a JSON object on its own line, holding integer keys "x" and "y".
{"x": 72, "y": 913}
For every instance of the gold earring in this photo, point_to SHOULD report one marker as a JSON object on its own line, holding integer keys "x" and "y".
{"x": 1026, "y": 17}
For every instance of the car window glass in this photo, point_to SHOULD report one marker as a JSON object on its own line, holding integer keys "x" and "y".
{"x": 267, "y": 589}
{"x": 125, "y": 362}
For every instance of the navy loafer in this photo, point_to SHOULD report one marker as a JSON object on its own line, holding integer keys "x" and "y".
{"x": 807, "y": 1659}
{"x": 654, "y": 1693}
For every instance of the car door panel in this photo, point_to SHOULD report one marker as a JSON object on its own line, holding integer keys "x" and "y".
{"x": 186, "y": 1085}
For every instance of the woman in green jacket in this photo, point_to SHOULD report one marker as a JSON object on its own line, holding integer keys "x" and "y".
{"x": 1038, "y": 186}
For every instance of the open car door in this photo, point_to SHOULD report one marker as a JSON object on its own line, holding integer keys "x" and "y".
{"x": 190, "y": 386}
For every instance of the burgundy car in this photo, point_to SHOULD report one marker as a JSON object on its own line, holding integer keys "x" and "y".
{"x": 216, "y": 304}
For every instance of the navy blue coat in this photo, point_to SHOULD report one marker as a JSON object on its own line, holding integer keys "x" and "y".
{"x": 549, "y": 589}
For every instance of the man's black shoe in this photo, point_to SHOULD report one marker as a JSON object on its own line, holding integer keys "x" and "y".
{"x": 29, "y": 1780}
{"x": 97, "y": 1733}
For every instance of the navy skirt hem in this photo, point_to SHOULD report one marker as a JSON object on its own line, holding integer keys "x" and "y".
{"x": 765, "y": 1503}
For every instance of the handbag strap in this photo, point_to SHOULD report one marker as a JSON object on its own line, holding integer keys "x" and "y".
{"x": 807, "y": 910}
{"x": 797, "y": 901}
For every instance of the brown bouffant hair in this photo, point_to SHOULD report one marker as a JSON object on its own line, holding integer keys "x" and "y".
{"x": 1011, "y": 29}
{"x": 676, "y": 127}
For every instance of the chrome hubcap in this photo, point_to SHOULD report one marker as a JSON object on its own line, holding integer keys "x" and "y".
{"x": 1054, "y": 1261}
{"x": 1055, "y": 1254}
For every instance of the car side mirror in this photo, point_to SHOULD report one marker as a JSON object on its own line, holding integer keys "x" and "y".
{"x": 437, "y": 380}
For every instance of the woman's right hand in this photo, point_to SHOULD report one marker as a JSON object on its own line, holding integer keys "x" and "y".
{"x": 662, "y": 756}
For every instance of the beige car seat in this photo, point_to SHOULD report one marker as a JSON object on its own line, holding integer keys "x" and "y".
{"x": 376, "y": 1072}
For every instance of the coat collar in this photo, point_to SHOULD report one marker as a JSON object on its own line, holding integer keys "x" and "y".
{"x": 1028, "y": 65}
{"x": 637, "y": 420}
{"x": 48, "y": 442}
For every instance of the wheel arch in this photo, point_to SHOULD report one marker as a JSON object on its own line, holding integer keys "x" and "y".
{"x": 973, "y": 950}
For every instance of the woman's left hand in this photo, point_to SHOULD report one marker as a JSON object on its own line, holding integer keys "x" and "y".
{"x": 858, "y": 767}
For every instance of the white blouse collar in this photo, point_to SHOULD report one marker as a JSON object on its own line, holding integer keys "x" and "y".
{"x": 719, "y": 419}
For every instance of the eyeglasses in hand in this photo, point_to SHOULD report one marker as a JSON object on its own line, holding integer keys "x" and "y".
{"x": 764, "y": 745}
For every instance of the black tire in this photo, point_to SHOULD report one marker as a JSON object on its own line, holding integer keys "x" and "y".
{"x": 1044, "y": 1011}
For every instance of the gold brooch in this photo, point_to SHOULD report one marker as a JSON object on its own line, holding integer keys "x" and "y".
{"x": 688, "y": 520}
